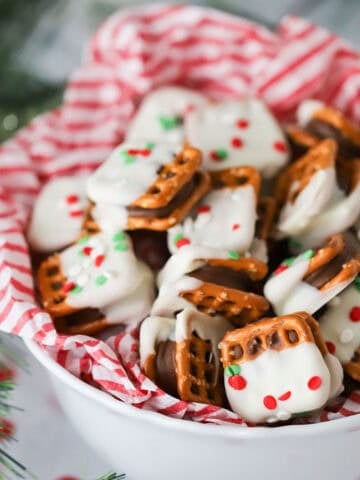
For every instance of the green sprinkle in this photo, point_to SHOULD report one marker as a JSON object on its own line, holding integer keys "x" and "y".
{"x": 127, "y": 157}
{"x": 119, "y": 237}
{"x": 150, "y": 145}
{"x": 178, "y": 237}
{"x": 232, "y": 370}
{"x": 288, "y": 261}
{"x": 357, "y": 283}
{"x": 168, "y": 123}
{"x": 100, "y": 280}
{"x": 308, "y": 254}
{"x": 121, "y": 247}
{"x": 221, "y": 153}
{"x": 233, "y": 255}
{"x": 83, "y": 240}
{"x": 301, "y": 414}
{"x": 76, "y": 290}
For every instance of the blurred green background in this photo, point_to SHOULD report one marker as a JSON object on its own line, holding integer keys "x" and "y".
{"x": 41, "y": 42}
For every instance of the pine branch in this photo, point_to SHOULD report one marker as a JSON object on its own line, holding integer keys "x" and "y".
{"x": 113, "y": 476}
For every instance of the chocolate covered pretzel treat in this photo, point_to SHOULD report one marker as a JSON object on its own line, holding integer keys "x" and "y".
{"x": 319, "y": 121}
{"x": 95, "y": 283}
{"x": 278, "y": 367}
{"x": 160, "y": 117}
{"x": 58, "y": 214}
{"x": 340, "y": 326}
{"x": 305, "y": 187}
{"x": 225, "y": 217}
{"x": 238, "y": 132}
{"x": 145, "y": 186}
{"x": 313, "y": 278}
{"x": 181, "y": 355}
{"x": 216, "y": 282}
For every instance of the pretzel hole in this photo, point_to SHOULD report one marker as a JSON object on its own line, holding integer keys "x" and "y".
{"x": 181, "y": 161}
{"x": 292, "y": 336}
{"x": 51, "y": 271}
{"x": 209, "y": 376}
{"x": 58, "y": 300}
{"x": 194, "y": 389}
{"x": 193, "y": 350}
{"x": 193, "y": 370}
{"x": 273, "y": 340}
{"x": 56, "y": 286}
{"x": 167, "y": 175}
{"x": 210, "y": 394}
{"x": 154, "y": 190}
{"x": 236, "y": 352}
{"x": 254, "y": 346}
{"x": 241, "y": 180}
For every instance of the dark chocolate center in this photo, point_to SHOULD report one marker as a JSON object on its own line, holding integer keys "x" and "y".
{"x": 165, "y": 367}
{"x": 225, "y": 277}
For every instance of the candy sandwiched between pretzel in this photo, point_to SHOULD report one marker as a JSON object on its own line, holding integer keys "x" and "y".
{"x": 225, "y": 217}
{"x": 238, "y": 132}
{"x": 310, "y": 280}
{"x": 217, "y": 283}
{"x": 342, "y": 210}
{"x": 305, "y": 187}
{"x": 276, "y": 367}
{"x": 266, "y": 213}
{"x": 182, "y": 355}
{"x": 63, "y": 199}
{"x": 94, "y": 283}
{"x": 146, "y": 186}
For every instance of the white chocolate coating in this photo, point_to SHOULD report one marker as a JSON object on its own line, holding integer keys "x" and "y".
{"x": 107, "y": 272}
{"x": 160, "y": 115}
{"x": 295, "y": 217}
{"x": 153, "y": 330}
{"x": 288, "y": 293}
{"x": 58, "y": 214}
{"x": 339, "y": 215}
{"x": 244, "y": 130}
{"x": 340, "y": 323}
{"x": 136, "y": 306}
{"x": 306, "y": 110}
{"x": 276, "y": 374}
{"x": 224, "y": 219}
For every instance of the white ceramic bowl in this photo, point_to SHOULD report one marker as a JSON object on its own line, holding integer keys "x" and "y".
{"x": 150, "y": 446}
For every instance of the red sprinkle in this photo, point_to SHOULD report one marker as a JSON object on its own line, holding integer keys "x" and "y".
{"x": 68, "y": 286}
{"x": 236, "y": 226}
{"x": 77, "y": 213}
{"x": 214, "y": 156}
{"x": 281, "y": 269}
{"x": 237, "y": 382}
{"x": 182, "y": 242}
{"x": 6, "y": 373}
{"x": 189, "y": 108}
{"x": 138, "y": 151}
{"x": 87, "y": 250}
{"x": 7, "y": 429}
{"x": 236, "y": 142}
{"x": 204, "y": 209}
{"x": 331, "y": 347}
{"x": 270, "y": 402}
{"x": 314, "y": 383}
{"x": 280, "y": 147}
{"x": 242, "y": 123}
{"x": 99, "y": 260}
{"x": 285, "y": 396}
{"x": 72, "y": 198}
{"x": 67, "y": 477}
{"x": 354, "y": 314}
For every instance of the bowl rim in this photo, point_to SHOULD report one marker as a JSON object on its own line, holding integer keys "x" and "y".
{"x": 346, "y": 424}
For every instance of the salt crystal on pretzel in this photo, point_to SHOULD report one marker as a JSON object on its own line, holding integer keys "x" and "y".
{"x": 145, "y": 186}
{"x": 58, "y": 214}
{"x": 238, "y": 132}
{"x": 217, "y": 282}
{"x": 182, "y": 355}
{"x": 160, "y": 116}
{"x": 340, "y": 213}
{"x": 225, "y": 217}
{"x": 305, "y": 187}
{"x": 82, "y": 287}
{"x": 310, "y": 280}
{"x": 276, "y": 368}
{"x": 340, "y": 326}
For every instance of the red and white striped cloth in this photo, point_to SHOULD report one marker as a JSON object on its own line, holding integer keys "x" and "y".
{"x": 132, "y": 53}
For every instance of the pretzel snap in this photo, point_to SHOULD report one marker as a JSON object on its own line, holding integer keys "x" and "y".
{"x": 236, "y": 177}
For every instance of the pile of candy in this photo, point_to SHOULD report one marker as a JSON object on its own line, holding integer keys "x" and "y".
{"x": 219, "y": 234}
